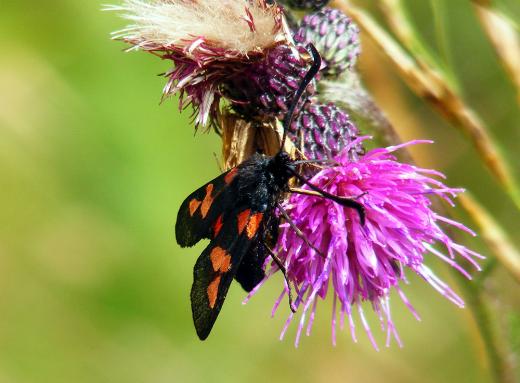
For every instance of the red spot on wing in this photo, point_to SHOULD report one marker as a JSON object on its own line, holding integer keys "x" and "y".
{"x": 217, "y": 226}
{"x": 254, "y": 224}
{"x": 221, "y": 262}
{"x": 213, "y": 291}
{"x": 194, "y": 205}
{"x": 220, "y": 259}
{"x": 231, "y": 174}
{"x": 243, "y": 218}
{"x": 208, "y": 200}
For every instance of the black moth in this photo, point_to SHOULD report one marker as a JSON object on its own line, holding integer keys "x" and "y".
{"x": 236, "y": 212}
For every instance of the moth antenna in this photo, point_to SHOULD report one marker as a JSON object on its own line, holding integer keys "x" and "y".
{"x": 309, "y": 76}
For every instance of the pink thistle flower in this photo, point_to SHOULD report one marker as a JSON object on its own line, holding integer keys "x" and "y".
{"x": 207, "y": 40}
{"x": 365, "y": 262}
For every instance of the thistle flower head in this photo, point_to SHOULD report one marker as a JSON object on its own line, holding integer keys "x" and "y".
{"x": 207, "y": 40}
{"x": 359, "y": 262}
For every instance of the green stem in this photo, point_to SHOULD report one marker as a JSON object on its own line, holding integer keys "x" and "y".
{"x": 440, "y": 34}
{"x": 496, "y": 350}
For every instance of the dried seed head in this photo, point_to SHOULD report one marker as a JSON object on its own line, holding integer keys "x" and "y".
{"x": 204, "y": 30}
{"x": 207, "y": 40}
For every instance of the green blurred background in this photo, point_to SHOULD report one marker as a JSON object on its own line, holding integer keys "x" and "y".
{"x": 93, "y": 287}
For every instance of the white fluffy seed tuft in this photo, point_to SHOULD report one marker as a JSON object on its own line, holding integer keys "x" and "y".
{"x": 236, "y": 25}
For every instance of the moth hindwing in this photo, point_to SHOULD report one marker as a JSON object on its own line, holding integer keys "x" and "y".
{"x": 218, "y": 264}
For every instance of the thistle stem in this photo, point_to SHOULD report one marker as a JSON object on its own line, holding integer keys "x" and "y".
{"x": 499, "y": 361}
{"x": 494, "y": 235}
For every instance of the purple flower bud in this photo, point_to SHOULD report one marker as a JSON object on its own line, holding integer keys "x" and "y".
{"x": 306, "y": 4}
{"x": 323, "y": 131}
{"x": 273, "y": 80}
{"x": 334, "y": 35}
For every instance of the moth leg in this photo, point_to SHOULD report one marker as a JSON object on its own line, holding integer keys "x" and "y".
{"x": 316, "y": 161}
{"x": 343, "y": 201}
{"x": 298, "y": 231}
{"x": 282, "y": 268}
{"x": 318, "y": 194}
{"x": 219, "y": 162}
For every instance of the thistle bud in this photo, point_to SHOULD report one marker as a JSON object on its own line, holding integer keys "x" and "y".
{"x": 335, "y": 36}
{"x": 267, "y": 88}
{"x": 312, "y": 5}
{"x": 323, "y": 131}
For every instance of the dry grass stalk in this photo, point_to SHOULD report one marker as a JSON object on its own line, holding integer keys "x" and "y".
{"x": 493, "y": 234}
{"x": 504, "y": 37}
{"x": 394, "y": 12}
{"x": 430, "y": 84}
{"x": 349, "y": 93}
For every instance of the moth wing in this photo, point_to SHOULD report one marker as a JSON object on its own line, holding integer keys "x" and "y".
{"x": 218, "y": 264}
{"x": 251, "y": 270}
{"x": 202, "y": 209}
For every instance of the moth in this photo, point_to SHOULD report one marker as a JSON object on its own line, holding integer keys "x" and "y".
{"x": 237, "y": 212}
